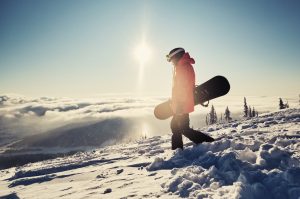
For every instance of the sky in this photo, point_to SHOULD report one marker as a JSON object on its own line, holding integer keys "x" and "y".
{"x": 84, "y": 48}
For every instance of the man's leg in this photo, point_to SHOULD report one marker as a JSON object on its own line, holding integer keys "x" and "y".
{"x": 177, "y": 136}
{"x": 196, "y": 136}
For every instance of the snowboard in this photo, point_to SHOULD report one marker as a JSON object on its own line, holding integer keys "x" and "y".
{"x": 211, "y": 89}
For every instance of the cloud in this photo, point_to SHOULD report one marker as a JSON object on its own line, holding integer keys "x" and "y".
{"x": 22, "y": 116}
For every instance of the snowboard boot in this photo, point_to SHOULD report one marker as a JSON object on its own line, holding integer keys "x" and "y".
{"x": 177, "y": 141}
{"x": 197, "y": 137}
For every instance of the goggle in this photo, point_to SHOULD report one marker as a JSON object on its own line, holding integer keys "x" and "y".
{"x": 170, "y": 56}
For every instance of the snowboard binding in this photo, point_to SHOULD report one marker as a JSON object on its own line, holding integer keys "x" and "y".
{"x": 202, "y": 94}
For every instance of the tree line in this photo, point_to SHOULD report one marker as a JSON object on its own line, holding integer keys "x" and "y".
{"x": 212, "y": 118}
{"x": 249, "y": 112}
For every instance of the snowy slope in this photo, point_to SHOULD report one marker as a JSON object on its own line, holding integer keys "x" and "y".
{"x": 257, "y": 158}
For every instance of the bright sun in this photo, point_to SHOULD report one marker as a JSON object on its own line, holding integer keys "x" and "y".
{"x": 142, "y": 53}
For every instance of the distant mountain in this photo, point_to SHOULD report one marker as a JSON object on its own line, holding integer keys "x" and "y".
{"x": 95, "y": 134}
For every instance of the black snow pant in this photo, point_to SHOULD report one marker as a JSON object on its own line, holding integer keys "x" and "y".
{"x": 180, "y": 125}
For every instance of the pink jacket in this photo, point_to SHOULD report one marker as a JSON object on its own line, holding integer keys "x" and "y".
{"x": 183, "y": 86}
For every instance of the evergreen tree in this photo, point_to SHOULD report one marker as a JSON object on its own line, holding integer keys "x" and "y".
{"x": 207, "y": 119}
{"x": 216, "y": 117}
{"x": 253, "y": 112}
{"x": 245, "y": 108}
{"x": 213, "y": 115}
{"x": 227, "y": 114}
{"x": 281, "y": 105}
{"x": 250, "y": 112}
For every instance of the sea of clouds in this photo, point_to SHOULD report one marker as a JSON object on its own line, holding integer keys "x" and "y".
{"x": 108, "y": 115}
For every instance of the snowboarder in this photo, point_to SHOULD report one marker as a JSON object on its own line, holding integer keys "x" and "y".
{"x": 182, "y": 102}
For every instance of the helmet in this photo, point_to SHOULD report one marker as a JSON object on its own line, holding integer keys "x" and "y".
{"x": 176, "y": 52}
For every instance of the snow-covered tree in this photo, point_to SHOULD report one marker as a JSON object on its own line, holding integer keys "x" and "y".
{"x": 281, "y": 105}
{"x": 207, "y": 119}
{"x": 250, "y": 112}
{"x": 221, "y": 118}
{"x": 245, "y": 108}
{"x": 227, "y": 114}
{"x": 213, "y": 115}
{"x": 253, "y": 112}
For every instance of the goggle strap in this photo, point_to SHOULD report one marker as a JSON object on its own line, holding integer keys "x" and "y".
{"x": 175, "y": 52}
{"x": 169, "y": 57}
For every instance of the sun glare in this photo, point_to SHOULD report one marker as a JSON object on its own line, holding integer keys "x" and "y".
{"x": 142, "y": 53}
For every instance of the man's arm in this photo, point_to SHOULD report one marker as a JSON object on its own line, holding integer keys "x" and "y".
{"x": 180, "y": 92}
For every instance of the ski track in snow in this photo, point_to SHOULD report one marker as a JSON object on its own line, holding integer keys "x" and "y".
{"x": 255, "y": 158}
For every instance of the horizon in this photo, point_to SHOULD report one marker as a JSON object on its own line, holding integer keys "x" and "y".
{"x": 23, "y": 116}
{"x": 78, "y": 49}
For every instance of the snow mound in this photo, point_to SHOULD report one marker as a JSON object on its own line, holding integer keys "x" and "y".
{"x": 251, "y": 164}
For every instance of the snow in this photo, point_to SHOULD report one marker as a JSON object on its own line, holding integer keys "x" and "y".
{"x": 255, "y": 158}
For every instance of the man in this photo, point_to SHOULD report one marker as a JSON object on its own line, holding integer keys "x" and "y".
{"x": 182, "y": 102}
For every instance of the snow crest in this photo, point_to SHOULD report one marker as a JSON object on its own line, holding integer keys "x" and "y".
{"x": 250, "y": 163}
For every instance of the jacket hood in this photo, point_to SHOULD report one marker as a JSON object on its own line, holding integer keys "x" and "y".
{"x": 186, "y": 59}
